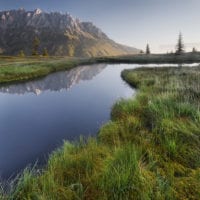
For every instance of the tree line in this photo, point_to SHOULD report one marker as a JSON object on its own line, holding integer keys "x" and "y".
{"x": 179, "y": 47}
{"x": 35, "y": 49}
{"x": 36, "y": 43}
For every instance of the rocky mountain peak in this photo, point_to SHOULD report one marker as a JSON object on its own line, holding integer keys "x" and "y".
{"x": 60, "y": 33}
{"x": 3, "y": 17}
{"x": 39, "y": 19}
{"x": 37, "y": 11}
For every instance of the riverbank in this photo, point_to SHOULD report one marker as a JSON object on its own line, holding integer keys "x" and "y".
{"x": 16, "y": 69}
{"x": 191, "y": 57}
{"x": 19, "y": 69}
{"x": 149, "y": 150}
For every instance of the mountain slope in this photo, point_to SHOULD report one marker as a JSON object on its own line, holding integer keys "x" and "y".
{"x": 59, "y": 33}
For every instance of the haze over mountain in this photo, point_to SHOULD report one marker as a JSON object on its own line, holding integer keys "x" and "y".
{"x": 60, "y": 33}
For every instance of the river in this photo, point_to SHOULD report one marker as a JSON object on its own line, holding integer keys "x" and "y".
{"x": 36, "y": 116}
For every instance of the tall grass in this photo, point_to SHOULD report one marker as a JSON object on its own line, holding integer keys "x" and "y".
{"x": 149, "y": 150}
{"x": 153, "y": 58}
{"x": 125, "y": 175}
{"x": 16, "y": 69}
{"x": 22, "y": 69}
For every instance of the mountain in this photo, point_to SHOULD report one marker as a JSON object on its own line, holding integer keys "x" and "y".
{"x": 60, "y": 33}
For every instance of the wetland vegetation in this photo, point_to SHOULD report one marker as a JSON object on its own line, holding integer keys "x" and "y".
{"x": 18, "y": 69}
{"x": 150, "y": 149}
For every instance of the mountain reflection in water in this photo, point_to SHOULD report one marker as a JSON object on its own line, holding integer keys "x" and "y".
{"x": 56, "y": 81}
{"x": 36, "y": 116}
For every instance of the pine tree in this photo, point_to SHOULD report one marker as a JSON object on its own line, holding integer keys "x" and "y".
{"x": 71, "y": 49}
{"x": 180, "y": 45}
{"x": 148, "y": 49}
{"x": 36, "y": 43}
{"x": 45, "y": 52}
{"x": 21, "y": 53}
{"x": 194, "y": 50}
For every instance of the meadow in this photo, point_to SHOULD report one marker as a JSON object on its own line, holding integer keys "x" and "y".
{"x": 19, "y": 69}
{"x": 189, "y": 57}
{"x": 150, "y": 149}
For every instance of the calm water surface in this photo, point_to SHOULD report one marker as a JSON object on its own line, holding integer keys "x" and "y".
{"x": 35, "y": 117}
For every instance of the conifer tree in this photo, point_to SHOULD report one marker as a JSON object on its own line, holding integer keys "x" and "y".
{"x": 36, "y": 43}
{"x": 194, "y": 50}
{"x": 21, "y": 53}
{"x": 148, "y": 49}
{"x": 180, "y": 45}
{"x": 45, "y": 52}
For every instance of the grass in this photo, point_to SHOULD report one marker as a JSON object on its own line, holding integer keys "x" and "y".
{"x": 190, "y": 57}
{"x": 150, "y": 150}
{"x": 15, "y": 69}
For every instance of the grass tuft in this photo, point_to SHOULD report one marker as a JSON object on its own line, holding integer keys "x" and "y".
{"x": 149, "y": 150}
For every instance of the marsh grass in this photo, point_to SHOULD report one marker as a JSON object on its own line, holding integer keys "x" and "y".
{"x": 18, "y": 69}
{"x": 14, "y": 69}
{"x": 149, "y": 150}
{"x": 153, "y": 58}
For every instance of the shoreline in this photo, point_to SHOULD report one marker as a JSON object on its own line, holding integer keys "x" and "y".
{"x": 151, "y": 141}
{"x": 16, "y": 69}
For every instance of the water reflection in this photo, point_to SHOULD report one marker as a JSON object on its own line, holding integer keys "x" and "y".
{"x": 56, "y": 81}
{"x": 31, "y": 126}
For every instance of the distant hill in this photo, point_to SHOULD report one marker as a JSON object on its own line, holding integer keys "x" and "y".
{"x": 60, "y": 33}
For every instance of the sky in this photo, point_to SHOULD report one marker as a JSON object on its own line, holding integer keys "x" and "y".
{"x": 131, "y": 22}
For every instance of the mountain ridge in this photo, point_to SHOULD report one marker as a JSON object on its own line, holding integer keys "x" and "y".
{"x": 60, "y": 33}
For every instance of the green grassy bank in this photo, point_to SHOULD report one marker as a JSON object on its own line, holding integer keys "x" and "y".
{"x": 150, "y": 150}
{"x": 16, "y": 69}
{"x": 190, "y": 57}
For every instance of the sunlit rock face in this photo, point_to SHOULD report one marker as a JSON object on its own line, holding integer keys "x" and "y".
{"x": 60, "y": 33}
